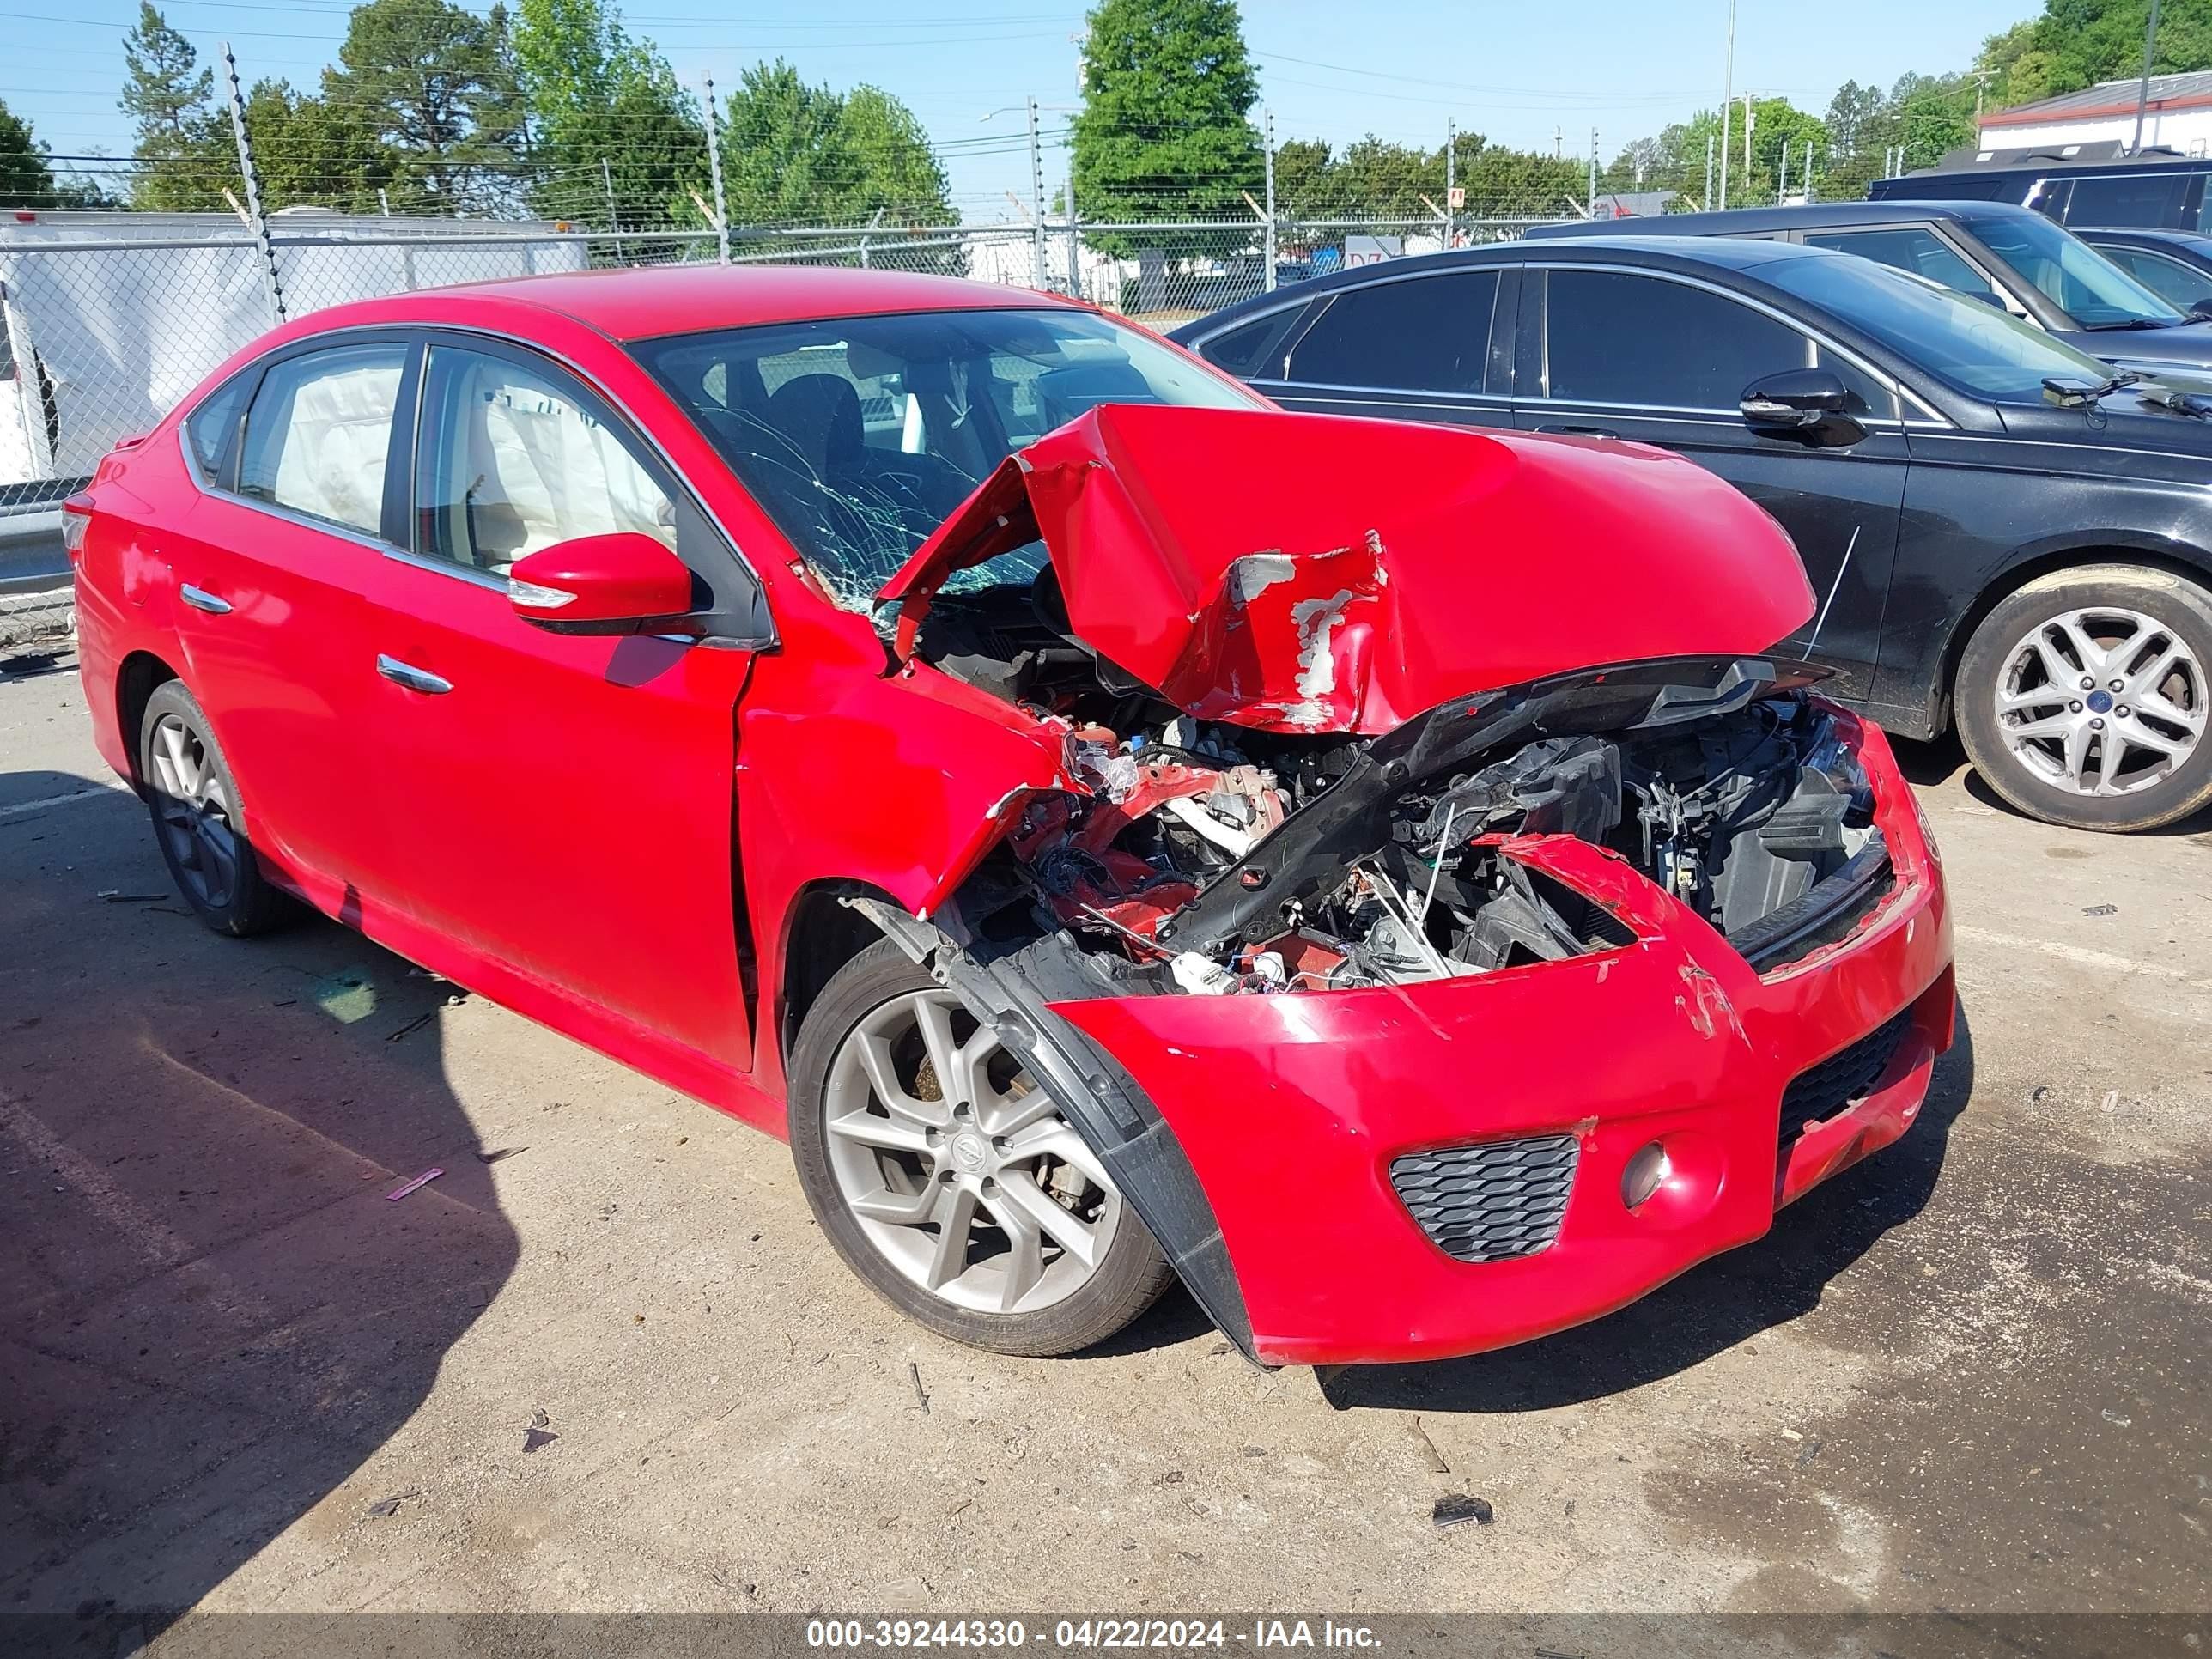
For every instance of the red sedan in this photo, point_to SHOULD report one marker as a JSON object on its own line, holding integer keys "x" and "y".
{"x": 1114, "y": 829}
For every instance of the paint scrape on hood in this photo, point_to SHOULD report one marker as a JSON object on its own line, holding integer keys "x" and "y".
{"x": 1318, "y": 574}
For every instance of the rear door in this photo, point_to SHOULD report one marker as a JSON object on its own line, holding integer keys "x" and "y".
{"x": 561, "y": 805}
{"x": 1420, "y": 348}
{"x": 1662, "y": 359}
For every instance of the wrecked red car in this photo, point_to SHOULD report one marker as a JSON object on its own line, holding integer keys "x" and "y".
{"x": 1117, "y": 830}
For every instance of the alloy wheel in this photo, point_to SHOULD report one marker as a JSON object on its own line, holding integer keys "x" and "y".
{"x": 195, "y": 812}
{"x": 2103, "y": 701}
{"x": 962, "y": 1173}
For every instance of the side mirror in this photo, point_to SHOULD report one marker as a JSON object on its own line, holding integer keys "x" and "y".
{"x": 1811, "y": 404}
{"x": 2201, "y": 310}
{"x": 623, "y": 583}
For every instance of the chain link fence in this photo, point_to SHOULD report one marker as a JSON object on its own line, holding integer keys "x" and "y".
{"x": 107, "y": 320}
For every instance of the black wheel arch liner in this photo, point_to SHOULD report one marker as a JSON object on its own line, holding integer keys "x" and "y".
{"x": 1102, "y": 1102}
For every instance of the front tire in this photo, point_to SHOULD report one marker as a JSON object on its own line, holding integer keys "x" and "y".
{"x": 2083, "y": 698}
{"x": 199, "y": 821}
{"x": 948, "y": 1181}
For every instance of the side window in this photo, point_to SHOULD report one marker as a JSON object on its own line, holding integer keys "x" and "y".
{"x": 1615, "y": 337}
{"x": 1870, "y": 397}
{"x": 1244, "y": 349}
{"x": 317, "y": 433}
{"x": 513, "y": 460}
{"x": 1422, "y": 334}
{"x": 210, "y": 427}
{"x": 2180, "y": 285}
{"x": 2140, "y": 198}
{"x": 1921, "y": 252}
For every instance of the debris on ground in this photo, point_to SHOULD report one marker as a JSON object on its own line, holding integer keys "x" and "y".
{"x": 385, "y": 1508}
{"x": 1457, "y": 1509}
{"x": 539, "y": 1433}
{"x": 117, "y": 895}
{"x": 2101, "y": 909}
{"x": 914, "y": 1374}
{"x": 500, "y": 1153}
{"x": 1812, "y": 1450}
{"x": 1437, "y": 1464}
{"x": 407, "y": 1187}
{"x": 412, "y": 1026}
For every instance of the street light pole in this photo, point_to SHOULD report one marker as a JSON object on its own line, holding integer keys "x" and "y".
{"x": 2143, "y": 88}
{"x": 1727, "y": 99}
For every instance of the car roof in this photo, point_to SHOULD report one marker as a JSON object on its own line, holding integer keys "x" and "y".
{"x": 1661, "y": 252}
{"x": 1739, "y": 222}
{"x": 2141, "y": 234}
{"x": 642, "y": 303}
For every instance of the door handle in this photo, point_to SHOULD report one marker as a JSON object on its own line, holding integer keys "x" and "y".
{"x": 413, "y": 678}
{"x": 1580, "y": 431}
{"x": 200, "y": 599}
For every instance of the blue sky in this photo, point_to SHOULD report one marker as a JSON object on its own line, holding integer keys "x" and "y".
{"x": 1514, "y": 71}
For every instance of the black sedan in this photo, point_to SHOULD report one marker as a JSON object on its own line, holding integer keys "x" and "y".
{"x": 2004, "y": 534}
{"x": 2010, "y": 258}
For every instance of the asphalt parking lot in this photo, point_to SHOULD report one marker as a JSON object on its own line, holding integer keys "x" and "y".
{"x": 604, "y": 1364}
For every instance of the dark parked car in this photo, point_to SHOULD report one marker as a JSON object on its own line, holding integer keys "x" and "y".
{"x": 2003, "y": 536}
{"x": 2174, "y": 264}
{"x": 2006, "y": 255}
{"x": 2156, "y": 189}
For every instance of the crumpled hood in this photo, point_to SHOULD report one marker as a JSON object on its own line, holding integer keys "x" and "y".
{"x": 1321, "y": 573}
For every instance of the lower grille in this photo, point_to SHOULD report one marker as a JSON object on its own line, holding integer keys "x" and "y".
{"x": 1492, "y": 1202}
{"x": 1822, "y": 1091}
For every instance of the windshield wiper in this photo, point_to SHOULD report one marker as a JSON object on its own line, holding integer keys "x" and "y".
{"x": 2069, "y": 393}
{"x": 2194, "y": 404}
{"x": 2134, "y": 322}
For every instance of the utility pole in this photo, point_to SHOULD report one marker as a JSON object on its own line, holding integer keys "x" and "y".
{"x": 1727, "y": 99}
{"x": 1808, "y": 170}
{"x": 1981, "y": 85}
{"x": 1782, "y": 188}
{"x": 1037, "y": 194}
{"x": 614, "y": 218}
{"x": 1709, "y": 172}
{"x": 1748, "y": 112}
{"x": 714, "y": 178}
{"x": 2143, "y": 89}
{"x": 1451, "y": 177}
{"x": 1559, "y": 140}
{"x": 1593, "y": 170}
{"x": 1267, "y": 119}
{"x": 272, "y": 280}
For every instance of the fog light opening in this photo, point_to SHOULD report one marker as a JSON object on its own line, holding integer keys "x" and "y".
{"x": 1646, "y": 1173}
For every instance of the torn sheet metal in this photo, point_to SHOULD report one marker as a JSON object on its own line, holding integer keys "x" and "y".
{"x": 1320, "y": 573}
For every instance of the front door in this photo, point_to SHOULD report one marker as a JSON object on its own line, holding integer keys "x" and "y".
{"x": 1634, "y": 355}
{"x": 563, "y": 805}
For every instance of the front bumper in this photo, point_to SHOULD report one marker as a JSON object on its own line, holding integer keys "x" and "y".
{"x": 1291, "y": 1108}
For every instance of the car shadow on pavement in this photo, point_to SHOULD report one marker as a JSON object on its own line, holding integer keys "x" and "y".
{"x": 1709, "y": 1309}
{"x": 211, "y": 1316}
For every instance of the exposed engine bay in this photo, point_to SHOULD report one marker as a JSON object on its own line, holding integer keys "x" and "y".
{"x": 1213, "y": 858}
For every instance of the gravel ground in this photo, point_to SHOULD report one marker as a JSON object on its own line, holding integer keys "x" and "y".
{"x": 604, "y": 1364}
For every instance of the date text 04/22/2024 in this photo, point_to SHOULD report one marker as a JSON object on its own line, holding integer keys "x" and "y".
{"x": 1086, "y": 1634}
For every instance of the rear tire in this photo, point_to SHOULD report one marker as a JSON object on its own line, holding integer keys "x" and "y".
{"x": 2082, "y": 699}
{"x": 199, "y": 821}
{"x": 1048, "y": 1259}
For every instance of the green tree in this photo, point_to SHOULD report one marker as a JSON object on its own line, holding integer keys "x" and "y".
{"x": 1163, "y": 131}
{"x": 161, "y": 89}
{"x": 798, "y": 154}
{"x": 2086, "y": 41}
{"x": 605, "y": 114}
{"x": 430, "y": 81}
{"x": 308, "y": 151}
{"x": 27, "y": 179}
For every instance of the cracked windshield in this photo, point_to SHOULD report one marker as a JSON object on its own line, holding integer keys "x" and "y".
{"x": 860, "y": 436}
